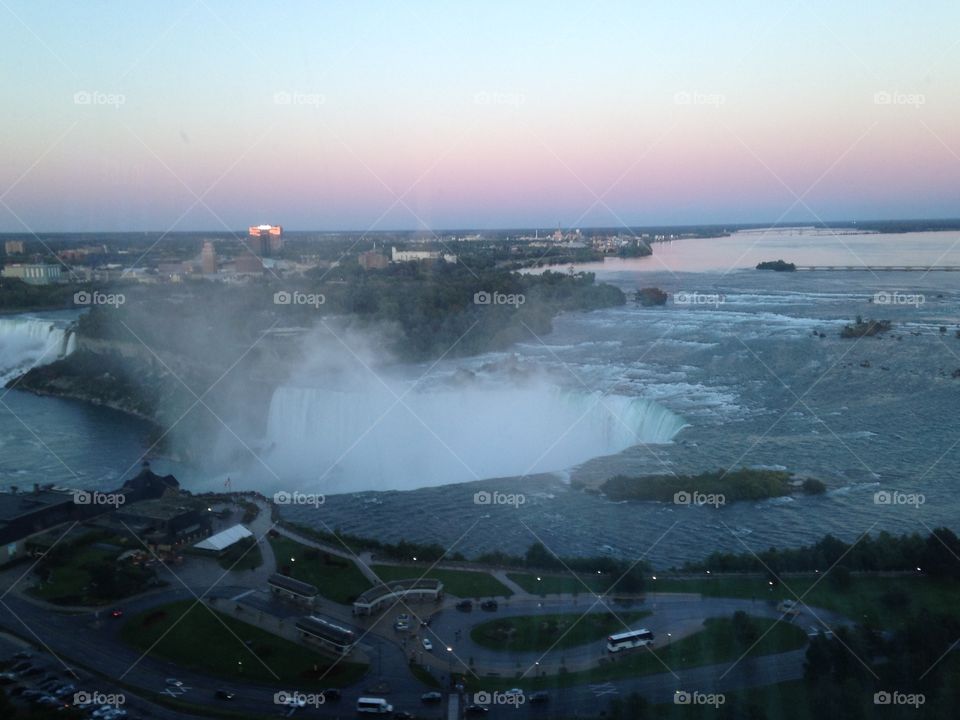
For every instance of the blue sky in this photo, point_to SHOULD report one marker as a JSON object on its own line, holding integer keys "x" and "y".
{"x": 208, "y": 115}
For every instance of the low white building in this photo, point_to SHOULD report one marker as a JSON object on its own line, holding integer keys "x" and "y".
{"x": 417, "y": 255}
{"x": 33, "y": 274}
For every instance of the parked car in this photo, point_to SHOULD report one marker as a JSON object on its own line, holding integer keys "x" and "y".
{"x": 789, "y": 607}
{"x": 540, "y": 696}
{"x": 465, "y": 605}
{"x": 489, "y": 605}
{"x": 427, "y": 645}
{"x": 431, "y": 697}
{"x": 222, "y": 694}
{"x": 476, "y": 710}
{"x": 173, "y": 682}
{"x": 116, "y": 613}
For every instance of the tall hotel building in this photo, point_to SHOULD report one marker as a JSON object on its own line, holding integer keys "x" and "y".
{"x": 265, "y": 240}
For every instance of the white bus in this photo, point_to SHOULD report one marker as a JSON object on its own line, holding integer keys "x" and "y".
{"x": 627, "y": 640}
{"x": 378, "y": 706}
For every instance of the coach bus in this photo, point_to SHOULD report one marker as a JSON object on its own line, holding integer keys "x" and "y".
{"x": 627, "y": 640}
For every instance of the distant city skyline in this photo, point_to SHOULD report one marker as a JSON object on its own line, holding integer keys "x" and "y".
{"x": 197, "y": 116}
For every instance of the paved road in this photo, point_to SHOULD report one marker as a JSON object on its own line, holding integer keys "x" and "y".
{"x": 674, "y": 616}
{"x": 91, "y": 639}
{"x": 94, "y": 642}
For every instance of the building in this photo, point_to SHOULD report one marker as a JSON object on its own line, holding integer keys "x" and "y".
{"x": 13, "y": 247}
{"x": 248, "y": 264}
{"x": 418, "y": 255}
{"x": 27, "y": 514}
{"x": 147, "y": 485}
{"x": 33, "y": 274}
{"x": 167, "y": 522}
{"x": 289, "y": 589}
{"x": 224, "y": 540}
{"x": 372, "y": 600}
{"x": 372, "y": 260}
{"x": 326, "y": 635}
{"x": 265, "y": 240}
{"x": 208, "y": 258}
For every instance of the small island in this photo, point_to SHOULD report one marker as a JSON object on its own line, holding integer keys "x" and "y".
{"x": 865, "y": 328}
{"x": 776, "y": 265}
{"x": 650, "y": 296}
{"x": 730, "y": 485}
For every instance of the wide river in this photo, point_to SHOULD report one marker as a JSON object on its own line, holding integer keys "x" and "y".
{"x": 750, "y": 371}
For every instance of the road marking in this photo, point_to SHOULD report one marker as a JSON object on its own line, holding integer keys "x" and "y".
{"x": 605, "y": 689}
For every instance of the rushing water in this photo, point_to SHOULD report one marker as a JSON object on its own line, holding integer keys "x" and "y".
{"x": 33, "y": 339}
{"x": 740, "y": 376}
{"x": 380, "y": 439}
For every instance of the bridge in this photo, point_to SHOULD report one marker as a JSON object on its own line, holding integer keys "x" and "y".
{"x": 881, "y": 268}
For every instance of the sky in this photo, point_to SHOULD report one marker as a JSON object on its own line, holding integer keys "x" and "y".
{"x": 208, "y": 115}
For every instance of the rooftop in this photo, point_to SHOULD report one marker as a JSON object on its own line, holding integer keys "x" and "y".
{"x": 22, "y": 503}
{"x": 295, "y": 586}
{"x": 224, "y": 539}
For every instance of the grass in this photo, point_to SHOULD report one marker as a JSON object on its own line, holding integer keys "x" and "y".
{"x": 543, "y": 632}
{"x": 461, "y": 583}
{"x": 237, "y": 557}
{"x": 336, "y": 578}
{"x": 866, "y": 599}
{"x": 201, "y": 642}
{"x": 715, "y": 644}
{"x": 557, "y": 584}
{"x": 424, "y": 675}
{"x": 71, "y": 581}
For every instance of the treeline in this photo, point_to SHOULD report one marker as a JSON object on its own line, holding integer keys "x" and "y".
{"x": 403, "y": 550}
{"x": 629, "y": 576}
{"x": 537, "y": 557}
{"x": 935, "y": 555}
{"x": 435, "y": 308}
{"x": 733, "y": 485}
{"x": 910, "y": 673}
{"x": 18, "y": 295}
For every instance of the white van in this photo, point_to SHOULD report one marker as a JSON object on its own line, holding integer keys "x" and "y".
{"x": 378, "y": 706}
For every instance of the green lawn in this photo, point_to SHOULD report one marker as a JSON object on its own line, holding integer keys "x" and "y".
{"x": 201, "y": 642}
{"x": 336, "y": 578}
{"x": 558, "y": 630}
{"x": 71, "y": 577}
{"x": 867, "y": 598}
{"x": 716, "y": 643}
{"x": 461, "y": 583}
{"x": 557, "y": 584}
{"x": 241, "y": 556}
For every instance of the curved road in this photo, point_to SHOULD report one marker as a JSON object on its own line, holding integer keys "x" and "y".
{"x": 94, "y": 643}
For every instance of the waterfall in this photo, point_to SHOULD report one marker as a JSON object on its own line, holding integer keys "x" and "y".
{"x": 365, "y": 440}
{"x": 28, "y": 340}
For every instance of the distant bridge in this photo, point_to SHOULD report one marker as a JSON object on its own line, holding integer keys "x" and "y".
{"x": 882, "y": 268}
